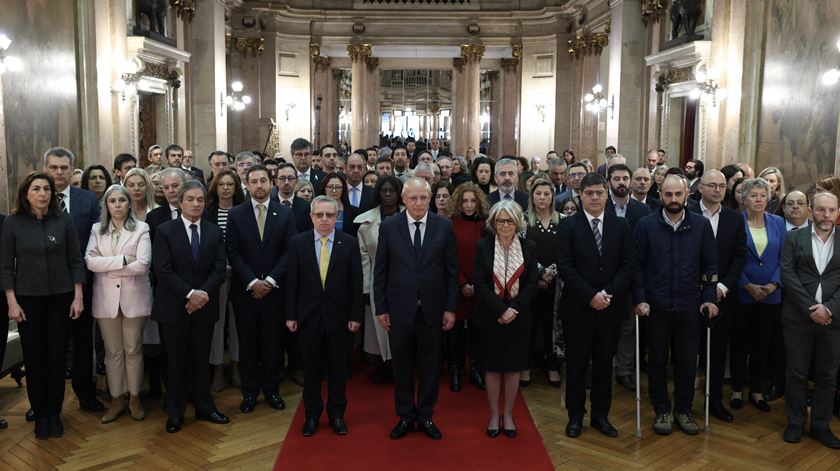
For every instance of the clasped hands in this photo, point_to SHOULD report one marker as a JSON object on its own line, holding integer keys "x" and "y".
{"x": 351, "y": 326}
{"x": 197, "y": 300}
{"x": 643, "y": 309}
{"x": 760, "y": 292}
{"x": 260, "y": 289}
{"x": 819, "y": 314}
{"x": 600, "y": 301}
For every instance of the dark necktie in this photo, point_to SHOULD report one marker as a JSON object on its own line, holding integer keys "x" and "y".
{"x": 597, "y": 234}
{"x": 417, "y": 237}
{"x": 194, "y": 241}
{"x": 287, "y": 204}
{"x": 795, "y": 228}
{"x": 62, "y": 205}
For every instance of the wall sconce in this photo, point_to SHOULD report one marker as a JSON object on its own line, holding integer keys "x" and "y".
{"x": 127, "y": 82}
{"x": 237, "y": 100}
{"x": 707, "y": 88}
{"x": 7, "y": 62}
{"x": 597, "y": 102}
{"x": 829, "y": 78}
{"x": 289, "y": 108}
{"x": 541, "y": 111}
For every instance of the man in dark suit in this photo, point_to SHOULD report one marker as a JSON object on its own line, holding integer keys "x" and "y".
{"x": 324, "y": 304}
{"x": 187, "y": 166}
{"x": 171, "y": 181}
{"x": 574, "y": 174}
{"x": 301, "y": 151}
{"x": 189, "y": 261}
{"x": 694, "y": 172}
{"x": 596, "y": 260}
{"x": 83, "y": 207}
{"x": 416, "y": 293}
{"x": 731, "y": 239}
{"x": 557, "y": 172}
{"x": 640, "y": 188}
{"x": 257, "y": 238}
{"x": 359, "y": 194}
{"x": 811, "y": 279}
{"x": 506, "y": 175}
{"x": 285, "y": 180}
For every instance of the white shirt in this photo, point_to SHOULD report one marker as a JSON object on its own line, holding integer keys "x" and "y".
{"x": 173, "y": 212}
{"x": 330, "y": 242}
{"x": 303, "y": 175}
{"x": 187, "y": 224}
{"x": 254, "y": 204}
{"x": 823, "y": 251}
{"x": 714, "y": 219}
{"x": 790, "y": 226}
{"x": 412, "y": 228}
{"x": 66, "y": 194}
{"x": 674, "y": 225}
{"x": 502, "y": 195}
{"x": 600, "y": 218}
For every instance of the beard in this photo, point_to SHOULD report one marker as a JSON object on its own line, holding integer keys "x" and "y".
{"x": 621, "y": 191}
{"x": 674, "y": 208}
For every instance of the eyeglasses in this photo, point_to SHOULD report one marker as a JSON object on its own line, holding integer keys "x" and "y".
{"x": 712, "y": 186}
{"x": 505, "y": 222}
{"x": 577, "y": 175}
{"x": 324, "y": 215}
{"x": 286, "y": 179}
{"x": 333, "y": 187}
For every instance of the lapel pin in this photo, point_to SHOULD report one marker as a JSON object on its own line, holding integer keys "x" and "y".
{"x": 274, "y": 214}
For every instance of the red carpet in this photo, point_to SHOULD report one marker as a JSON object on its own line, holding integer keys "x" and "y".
{"x": 462, "y": 417}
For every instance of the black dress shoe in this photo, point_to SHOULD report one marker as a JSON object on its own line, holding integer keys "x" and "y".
{"x": 30, "y": 415}
{"x": 42, "y": 428}
{"x": 455, "y": 380}
{"x": 760, "y": 404}
{"x": 477, "y": 379}
{"x": 310, "y": 427}
{"x": 626, "y": 382}
{"x": 173, "y": 425}
{"x": 275, "y": 401}
{"x": 430, "y": 429}
{"x": 402, "y": 428}
{"x": 574, "y": 427}
{"x": 215, "y": 417}
{"x": 825, "y": 437}
{"x": 91, "y": 404}
{"x": 736, "y": 403}
{"x": 718, "y": 411}
{"x": 338, "y": 425}
{"x": 793, "y": 433}
{"x": 510, "y": 432}
{"x": 56, "y": 427}
{"x": 3, "y": 424}
{"x": 604, "y": 426}
{"x": 248, "y": 404}
{"x": 773, "y": 393}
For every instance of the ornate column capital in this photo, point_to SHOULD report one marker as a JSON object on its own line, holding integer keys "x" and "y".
{"x": 510, "y": 64}
{"x": 359, "y": 52}
{"x": 651, "y": 11}
{"x": 321, "y": 63}
{"x": 472, "y": 52}
{"x": 250, "y": 46}
{"x": 185, "y": 9}
{"x": 585, "y": 44}
{"x": 516, "y": 51}
{"x": 314, "y": 50}
{"x": 459, "y": 63}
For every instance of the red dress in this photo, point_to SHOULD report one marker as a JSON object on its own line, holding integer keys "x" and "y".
{"x": 468, "y": 231}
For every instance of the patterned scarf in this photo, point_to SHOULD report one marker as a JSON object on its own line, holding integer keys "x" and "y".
{"x": 507, "y": 268}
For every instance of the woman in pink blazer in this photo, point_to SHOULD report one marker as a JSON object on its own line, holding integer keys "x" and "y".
{"x": 119, "y": 253}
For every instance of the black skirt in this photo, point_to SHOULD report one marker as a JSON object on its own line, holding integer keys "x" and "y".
{"x": 504, "y": 349}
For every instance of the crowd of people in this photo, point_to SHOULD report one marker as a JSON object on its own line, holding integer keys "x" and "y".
{"x": 499, "y": 267}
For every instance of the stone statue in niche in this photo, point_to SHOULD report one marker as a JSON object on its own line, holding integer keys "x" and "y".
{"x": 684, "y": 15}
{"x": 155, "y": 12}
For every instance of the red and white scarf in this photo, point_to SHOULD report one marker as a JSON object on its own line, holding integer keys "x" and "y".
{"x": 507, "y": 268}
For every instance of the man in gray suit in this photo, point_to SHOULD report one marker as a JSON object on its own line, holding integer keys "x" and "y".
{"x": 811, "y": 280}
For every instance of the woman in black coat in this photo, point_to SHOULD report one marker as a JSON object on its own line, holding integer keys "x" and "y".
{"x": 505, "y": 275}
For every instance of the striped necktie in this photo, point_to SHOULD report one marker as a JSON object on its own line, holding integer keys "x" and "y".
{"x": 597, "y": 234}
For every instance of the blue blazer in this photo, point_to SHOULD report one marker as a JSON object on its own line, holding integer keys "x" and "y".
{"x": 766, "y": 268}
{"x": 85, "y": 211}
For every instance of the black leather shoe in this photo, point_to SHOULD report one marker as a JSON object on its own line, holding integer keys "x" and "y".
{"x": 42, "y": 428}
{"x": 3, "y": 424}
{"x": 626, "y": 382}
{"x": 430, "y": 429}
{"x": 736, "y": 403}
{"x": 793, "y": 433}
{"x": 718, "y": 411}
{"x": 773, "y": 393}
{"x": 574, "y": 427}
{"x": 455, "y": 380}
{"x": 56, "y": 427}
{"x": 248, "y": 404}
{"x": 30, "y": 415}
{"x": 760, "y": 404}
{"x": 477, "y": 379}
{"x": 173, "y": 425}
{"x": 604, "y": 426}
{"x": 338, "y": 425}
{"x": 402, "y": 428}
{"x": 215, "y": 417}
{"x": 310, "y": 427}
{"x": 275, "y": 401}
{"x": 510, "y": 432}
{"x": 91, "y": 404}
{"x": 825, "y": 437}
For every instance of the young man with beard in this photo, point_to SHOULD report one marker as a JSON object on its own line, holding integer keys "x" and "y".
{"x": 401, "y": 163}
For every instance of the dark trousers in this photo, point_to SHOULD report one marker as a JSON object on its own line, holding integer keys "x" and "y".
{"x": 752, "y": 325}
{"x": 585, "y": 340}
{"x": 82, "y": 331}
{"x": 775, "y": 371}
{"x": 683, "y": 328}
{"x": 186, "y": 348}
{"x": 418, "y": 345}
{"x": 320, "y": 346}
{"x": 43, "y": 337}
{"x": 543, "y": 309}
{"x": 721, "y": 328}
{"x": 806, "y": 341}
{"x": 259, "y": 327}
{"x": 458, "y": 339}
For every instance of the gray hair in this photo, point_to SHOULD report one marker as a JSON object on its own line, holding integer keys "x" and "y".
{"x": 385, "y": 151}
{"x": 818, "y": 195}
{"x": 244, "y": 155}
{"x": 423, "y": 166}
{"x": 322, "y": 199}
{"x": 504, "y": 162}
{"x": 616, "y": 158}
{"x": 105, "y": 221}
{"x": 754, "y": 183}
{"x": 556, "y": 162}
{"x": 192, "y": 185}
{"x": 512, "y": 208}
{"x": 60, "y": 152}
{"x": 465, "y": 167}
{"x": 173, "y": 172}
{"x": 416, "y": 182}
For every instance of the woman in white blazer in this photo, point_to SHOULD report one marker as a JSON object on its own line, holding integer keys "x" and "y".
{"x": 119, "y": 253}
{"x": 386, "y": 199}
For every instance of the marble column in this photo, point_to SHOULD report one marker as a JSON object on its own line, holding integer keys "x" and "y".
{"x": 207, "y": 80}
{"x": 329, "y": 110}
{"x": 627, "y": 87}
{"x": 472, "y": 55}
{"x": 457, "y": 141}
{"x": 320, "y": 86}
{"x": 371, "y": 98}
{"x": 251, "y": 50}
{"x": 588, "y": 147}
{"x": 508, "y": 126}
{"x": 359, "y": 125}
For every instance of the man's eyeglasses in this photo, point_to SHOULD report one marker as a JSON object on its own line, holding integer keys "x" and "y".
{"x": 286, "y": 179}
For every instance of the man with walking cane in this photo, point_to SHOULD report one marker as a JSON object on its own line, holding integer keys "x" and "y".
{"x": 676, "y": 280}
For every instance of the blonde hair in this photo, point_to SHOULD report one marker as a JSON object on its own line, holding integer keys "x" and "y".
{"x": 150, "y": 189}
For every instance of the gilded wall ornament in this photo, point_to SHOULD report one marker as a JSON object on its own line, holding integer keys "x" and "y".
{"x": 185, "y": 9}
{"x": 672, "y": 76}
{"x": 358, "y": 52}
{"x": 586, "y": 44}
{"x": 472, "y": 52}
{"x": 250, "y": 46}
{"x": 652, "y": 10}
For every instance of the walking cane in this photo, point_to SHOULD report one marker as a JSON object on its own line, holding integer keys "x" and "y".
{"x": 708, "y": 322}
{"x": 638, "y": 387}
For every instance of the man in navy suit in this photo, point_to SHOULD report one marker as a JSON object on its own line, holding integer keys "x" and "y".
{"x": 640, "y": 188}
{"x": 285, "y": 180}
{"x": 189, "y": 262}
{"x": 324, "y": 304}
{"x": 257, "y": 239}
{"x": 416, "y": 294}
{"x": 83, "y": 207}
{"x": 301, "y": 151}
{"x": 506, "y": 175}
{"x": 359, "y": 194}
